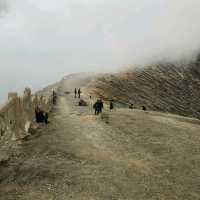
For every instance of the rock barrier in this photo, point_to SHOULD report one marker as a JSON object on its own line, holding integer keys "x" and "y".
{"x": 17, "y": 115}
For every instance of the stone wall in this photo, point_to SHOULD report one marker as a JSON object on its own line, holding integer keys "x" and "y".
{"x": 17, "y": 115}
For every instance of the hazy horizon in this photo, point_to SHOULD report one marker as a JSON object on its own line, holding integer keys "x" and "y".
{"x": 42, "y": 40}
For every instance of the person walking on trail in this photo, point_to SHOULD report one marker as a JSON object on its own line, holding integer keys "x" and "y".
{"x": 75, "y": 92}
{"x": 95, "y": 106}
{"x": 79, "y": 93}
{"x": 111, "y": 105}
{"x": 54, "y": 97}
{"x": 100, "y": 105}
{"x": 91, "y": 103}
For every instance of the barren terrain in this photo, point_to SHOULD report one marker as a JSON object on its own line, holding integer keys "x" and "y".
{"x": 121, "y": 155}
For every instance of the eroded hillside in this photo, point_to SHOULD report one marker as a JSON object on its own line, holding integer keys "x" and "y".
{"x": 166, "y": 87}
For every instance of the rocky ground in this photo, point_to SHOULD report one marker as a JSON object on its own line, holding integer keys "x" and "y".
{"x": 121, "y": 155}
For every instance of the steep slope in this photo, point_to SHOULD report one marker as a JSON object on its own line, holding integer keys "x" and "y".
{"x": 164, "y": 87}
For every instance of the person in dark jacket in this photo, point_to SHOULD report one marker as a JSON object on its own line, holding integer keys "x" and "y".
{"x": 54, "y": 98}
{"x": 100, "y": 105}
{"x": 75, "y": 92}
{"x": 111, "y": 105}
{"x": 37, "y": 115}
{"x": 79, "y": 93}
{"x": 96, "y": 109}
{"x": 144, "y": 108}
{"x": 41, "y": 116}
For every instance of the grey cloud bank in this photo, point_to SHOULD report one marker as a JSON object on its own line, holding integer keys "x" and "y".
{"x": 43, "y": 40}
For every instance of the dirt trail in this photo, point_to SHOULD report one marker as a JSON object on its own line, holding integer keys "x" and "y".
{"x": 74, "y": 157}
{"x": 78, "y": 156}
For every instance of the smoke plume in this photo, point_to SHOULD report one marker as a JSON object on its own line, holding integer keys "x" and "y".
{"x": 43, "y": 40}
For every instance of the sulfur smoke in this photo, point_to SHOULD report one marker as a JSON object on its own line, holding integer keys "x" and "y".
{"x": 43, "y": 40}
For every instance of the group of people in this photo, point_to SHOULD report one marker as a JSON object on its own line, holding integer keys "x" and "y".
{"x": 42, "y": 117}
{"x": 144, "y": 108}
{"x": 98, "y": 106}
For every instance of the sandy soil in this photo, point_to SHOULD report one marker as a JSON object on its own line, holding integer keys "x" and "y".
{"x": 122, "y": 155}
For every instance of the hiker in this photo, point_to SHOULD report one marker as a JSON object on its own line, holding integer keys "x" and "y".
{"x": 37, "y": 116}
{"x": 79, "y": 93}
{"x": 91, "y": 103}
{"x": 131, "y": 106}
{"x": 144, "y": 108}
{"x": 75, "y": 93}
{"x": 96, "y": 108}
{"x": 100, "y": 105}
{"x": 111, "y": 105}
{"x": 54, "y": 97}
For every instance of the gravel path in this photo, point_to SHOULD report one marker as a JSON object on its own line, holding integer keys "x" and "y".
{"x": 74, "y": 157}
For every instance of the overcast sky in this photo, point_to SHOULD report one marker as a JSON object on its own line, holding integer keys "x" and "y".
{"x": 43, "y": 40}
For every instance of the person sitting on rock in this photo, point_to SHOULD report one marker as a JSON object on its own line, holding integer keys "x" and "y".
{"x": 82, "y": 103}
{"x": 37, "y": 114}
{"x": 41, "y": 116}
{"x": 144, "y": 108}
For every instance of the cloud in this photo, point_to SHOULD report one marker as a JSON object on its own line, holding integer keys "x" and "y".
{"x": 43, "y": 40}
{"x": 3, "y": 6}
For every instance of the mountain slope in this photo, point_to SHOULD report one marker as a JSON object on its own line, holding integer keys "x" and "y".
{"x": 164, "y": 87}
